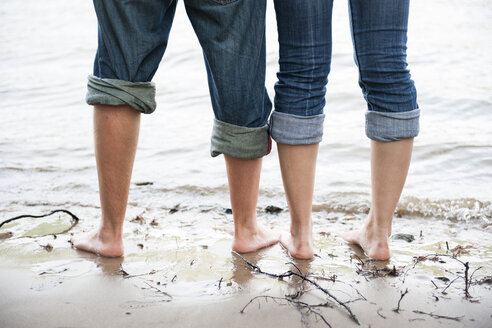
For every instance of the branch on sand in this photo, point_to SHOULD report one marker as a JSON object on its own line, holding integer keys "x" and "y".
{"x": 74, "y": 219}
{"x": 290, "y": 273}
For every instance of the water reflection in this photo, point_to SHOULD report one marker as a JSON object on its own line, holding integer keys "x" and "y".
{"x": 107, "y": 265}
{"x": 242, "y": 273}
{"x": 361, "y": 257}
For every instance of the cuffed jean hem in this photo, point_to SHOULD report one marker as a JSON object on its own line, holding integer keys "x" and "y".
{"x": 138, "y": 95}
{"x": 239, "y": 141}
{"x": 296, "y": 130}
{"x": 389, "y": 126}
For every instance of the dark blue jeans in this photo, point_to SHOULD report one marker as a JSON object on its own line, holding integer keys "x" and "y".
{"x": 132, "y": 39}
{"x": 379, "y": 34}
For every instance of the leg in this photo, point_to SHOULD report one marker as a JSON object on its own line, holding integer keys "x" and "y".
{"x": 232, "y": 35}
{"x": 389, "y": 167}
{"x": 116, "y": 131}
{"x": 132, "y": 37}
{"x": 379, "y": 31}
{"x": 298, "y": 165}
{"x": 304, "y": 29}
{"x": 244, "y": 183}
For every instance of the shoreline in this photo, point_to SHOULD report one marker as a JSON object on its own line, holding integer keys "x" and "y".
{"x": 181, "y": 273}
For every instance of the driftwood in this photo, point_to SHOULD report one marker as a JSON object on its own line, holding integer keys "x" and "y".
{"x": 290, "y": 273}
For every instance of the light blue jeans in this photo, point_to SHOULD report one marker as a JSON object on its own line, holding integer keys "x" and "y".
{"x": 132, "y": 39}
{"x": 379, "y": 34}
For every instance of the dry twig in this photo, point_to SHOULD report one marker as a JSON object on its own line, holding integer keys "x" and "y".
{"x": 290, "y": 273}
{"x": 299, "y": 304}
{"x": 437, "y": 316}
{"x": 397, "y": 310}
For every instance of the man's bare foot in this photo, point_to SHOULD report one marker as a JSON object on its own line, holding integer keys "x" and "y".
{"x": 298, "y": 248}
{"x": 373, "y": 241}
{"x": 99, "y": 242}
{"x": 247, "y": 241}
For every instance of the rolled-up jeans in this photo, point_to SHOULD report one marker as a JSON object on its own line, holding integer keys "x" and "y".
{"x": 379, "y": 35}
{"x": 132, "y": 39}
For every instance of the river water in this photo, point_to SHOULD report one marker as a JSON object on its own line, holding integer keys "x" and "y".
{"x": 46, "y": 143}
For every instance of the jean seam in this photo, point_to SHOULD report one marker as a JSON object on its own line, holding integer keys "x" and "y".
{"x": 357, "y": 55}
{"x": 313, "y": 67}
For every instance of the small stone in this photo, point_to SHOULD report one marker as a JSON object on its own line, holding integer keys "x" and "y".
{"x": 403, "y": 236}
{"x": 273, "y": 209}
{"x": 445, "y": 279}
{"x": 227, "y": 211}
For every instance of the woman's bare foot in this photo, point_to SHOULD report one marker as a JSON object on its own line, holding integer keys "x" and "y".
{"x": 373, "y": 240}
{"x": 99, "y": 242}
{"x": 299, "y": 248}
{"x": 249, "y": 241}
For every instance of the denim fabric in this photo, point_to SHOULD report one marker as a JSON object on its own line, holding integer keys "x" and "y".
{"x": 379, "y": 34}
{"x": 139, "y": 95}
{"x": 296, "y": 130}
{"x": 227, "y": 137}
{"x": 395, "y": 125}
{"x": 132, "y": 39}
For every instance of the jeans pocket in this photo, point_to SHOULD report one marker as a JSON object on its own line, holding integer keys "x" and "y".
{"x": 224, "y": 2}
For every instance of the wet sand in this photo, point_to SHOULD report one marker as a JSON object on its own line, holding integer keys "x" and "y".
{"x": 178, "y": 271}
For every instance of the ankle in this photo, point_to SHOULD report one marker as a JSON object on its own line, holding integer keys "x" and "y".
{"x": 301, "y": 231}
{"x": 242, "y": 231}
{"x": 110, "y": 233}
{"x": 375, "y": 226}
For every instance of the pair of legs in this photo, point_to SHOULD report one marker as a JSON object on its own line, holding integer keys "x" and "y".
{"x": 389, "y": 167}
{"x": 132, "y": 38}
{"x": 116, "y": 130}
{"x": 379, "y": 33}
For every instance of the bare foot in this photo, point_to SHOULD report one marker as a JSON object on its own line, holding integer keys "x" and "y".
{"x": 373, "y": 241}
{"x": 298, "y": 248}
{"x": 246, "y": 241}
{"x": 98, "y": 242}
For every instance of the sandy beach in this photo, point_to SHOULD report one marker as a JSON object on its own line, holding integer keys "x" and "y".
{"x": 179, "y": 272}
